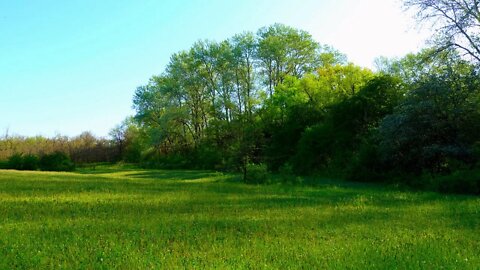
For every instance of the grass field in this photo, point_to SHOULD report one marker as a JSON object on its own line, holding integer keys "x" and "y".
{"x": 140, "y": 219}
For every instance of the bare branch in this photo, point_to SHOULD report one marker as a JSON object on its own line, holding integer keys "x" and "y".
{"x": 456, "y": 20}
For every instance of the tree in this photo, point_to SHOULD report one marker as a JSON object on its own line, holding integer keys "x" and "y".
{"x": 283, "y": 51}
{"x": 332, "y": 142}
{"x": 244, "y": 49}
{"x": 436, "y": 125}
{"x": 298, "y": 104}
{"x": 417, "y": 67}
{"x": 126, "y": 137}
{"x": 455, "y": 22}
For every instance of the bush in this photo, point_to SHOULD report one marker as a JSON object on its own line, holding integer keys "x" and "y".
{"x": 154, "y": 160}
{"x": 366, "y": 166}
{"x": 464, "y": 182}
{"x": 256, "y": 174}
{"x": 57, "y": 161}
{"x": 21, "y": 162}
{"x": 286, "y": 173}
{"x": 30, "y": 163}
{"x": 15, "y": 162}
{"x": 206, "y": 157}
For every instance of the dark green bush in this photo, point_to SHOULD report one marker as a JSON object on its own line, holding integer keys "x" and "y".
{"x": 15, "y": 162}
{"x": 463, "y": 182}
{"x": 22, "y": 162}
{"x": 286, "y": 173}
{"x": 256, "y": 174}
{"x": 206, "y": 157}
{"x": 57, "y": 161}
{"x": 30, "y": 162}
{"x": 154, "y": 160}
{"x": 366, "y": 165}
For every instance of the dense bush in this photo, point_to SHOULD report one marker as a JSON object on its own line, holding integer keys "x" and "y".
{"x": 30, "y": 162}
{"x": 438, "y": 122}
{"x": 256, "y": 174}
{"x": 57, "y": 161}
{"x": 15, "y": 162}
{"x": 366, "y": 165}
{"x": 22, "y": 162}
{"x": 466, "y": 182}
{"x": 462, "y": 181}
{"x": 153, "y": 159}
{"x": 287, "y": 174}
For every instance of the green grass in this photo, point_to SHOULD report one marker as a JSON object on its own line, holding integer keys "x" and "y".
{"x": 126, "y": 218}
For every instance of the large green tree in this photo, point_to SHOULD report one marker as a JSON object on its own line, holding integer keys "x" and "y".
{"x": 282, "y": 51}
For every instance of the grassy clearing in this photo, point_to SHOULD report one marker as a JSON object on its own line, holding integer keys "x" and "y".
{"x": 126, "y": 218}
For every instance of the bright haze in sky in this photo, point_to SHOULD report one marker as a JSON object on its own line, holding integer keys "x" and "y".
{"x": 73, "y": 66}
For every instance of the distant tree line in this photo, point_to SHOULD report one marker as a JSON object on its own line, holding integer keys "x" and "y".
{"x": 81, "y": 149}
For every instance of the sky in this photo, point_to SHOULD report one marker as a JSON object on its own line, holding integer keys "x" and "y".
{"x": 73, "y": 66}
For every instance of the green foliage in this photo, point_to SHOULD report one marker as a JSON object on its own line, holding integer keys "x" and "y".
{"x": 153, "y": 159}
{"x": 366, "y": 165}
{"x": 463, "y": 182}
{"x": 437, "y": 122}
{"x": 278, "y": 97}
{"x": 256, "y": 174}
{"x": 129, "y": 140}
{"x": 57, "y": 161}
{"x": 206, "y": 157}
{"x": 276, "y": 46}
{"x": 30, "y": 162}
{"x": 15, "y": 162}
{"x": 313, "y": 149}
{"x": 334, "y": 142}
{"x": 22, "y": 162}
{"x": 288, "y": 176}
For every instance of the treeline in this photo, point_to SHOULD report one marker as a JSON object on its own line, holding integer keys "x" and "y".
{"x": 81, "y": 149}
{"x": 279, "y": 101}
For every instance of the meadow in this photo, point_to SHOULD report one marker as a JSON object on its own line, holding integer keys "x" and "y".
{"x": 128, "y": 218}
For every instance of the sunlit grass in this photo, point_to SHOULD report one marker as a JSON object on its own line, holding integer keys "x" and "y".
{"x": 139, "y": 219}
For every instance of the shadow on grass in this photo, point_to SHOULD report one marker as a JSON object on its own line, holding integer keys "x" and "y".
{"x": 209, "y": 207}
{"x": 133, "y": 171}
{"x": 173, "y": 175}
{"x": 104, "y": 168}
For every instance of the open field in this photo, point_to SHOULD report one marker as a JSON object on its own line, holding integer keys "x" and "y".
{"x": 141, "y": 219}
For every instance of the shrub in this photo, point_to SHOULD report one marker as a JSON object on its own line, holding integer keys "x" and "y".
{"x": 30, "y": 162}
{"x": 256, "y": 174}
{"x": 206, "y": 157}
{"x": 57, "y": 161}
{"x": 464, "y": 182}
{"x": 22, "y": 162}
{"x": 286, "y": 173}
{"x": 366, "y": 165}
{"x": 15, "y": 162}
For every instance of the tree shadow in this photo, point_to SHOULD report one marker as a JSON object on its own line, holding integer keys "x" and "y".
{"x": 173, "y": 175}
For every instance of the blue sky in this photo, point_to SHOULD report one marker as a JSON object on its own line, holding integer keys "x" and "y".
{"x": 73, "y": 66}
